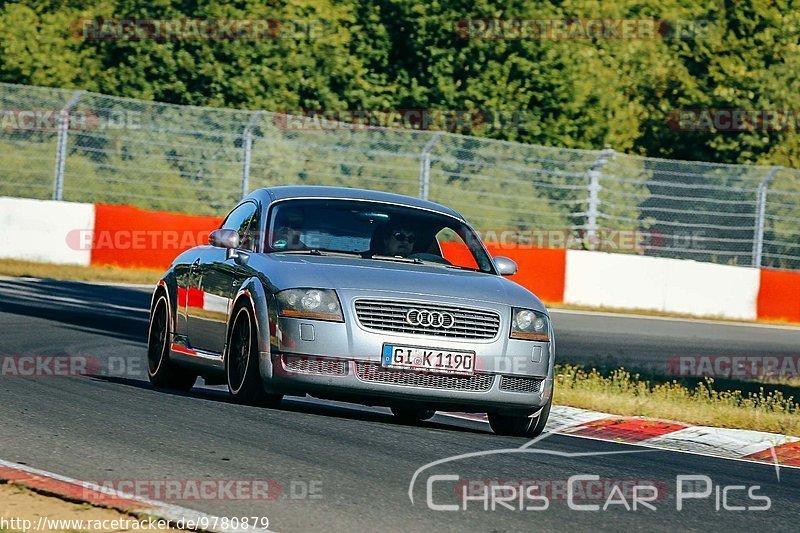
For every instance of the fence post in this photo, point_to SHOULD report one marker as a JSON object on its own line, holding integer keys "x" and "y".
{"x": 425, "y": 166}
{"x": 247, "y": 146}
{"x": 595, "y": 173}
{"x": 61, "y": 145}
{"x": 761, "y": 211}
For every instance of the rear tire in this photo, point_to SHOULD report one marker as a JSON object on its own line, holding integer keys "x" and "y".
{"x": 520, "y": 426}
{"x": 162, "y": 372}
{"x": 241, "y": 363}
{"x": 410, "y": 415}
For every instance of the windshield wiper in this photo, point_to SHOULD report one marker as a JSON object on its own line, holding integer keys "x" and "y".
{"x": 304, "y": 251}
{"x": 318, "y": 251}
{"x": 398, "y": 259}
{"x": 462, "y": 268}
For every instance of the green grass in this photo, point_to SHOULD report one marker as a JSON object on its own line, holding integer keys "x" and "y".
{"x": 700, "y": 402}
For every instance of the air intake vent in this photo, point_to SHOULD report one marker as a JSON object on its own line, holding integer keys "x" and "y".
{"x": 376, "y": 373}
{"x": 520, "y": 384}
{"x": 314, "y": 365}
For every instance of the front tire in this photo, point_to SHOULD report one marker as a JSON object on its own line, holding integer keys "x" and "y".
{"x": 520, "y": 426}
{"x": 162, "y": 372}
{"x": 241, "y": 363}
{"x": 410, "y": 415}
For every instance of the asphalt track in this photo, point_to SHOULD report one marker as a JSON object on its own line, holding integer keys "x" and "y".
{"x": 357, "y": 461}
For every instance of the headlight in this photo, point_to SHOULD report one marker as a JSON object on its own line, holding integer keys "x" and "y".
{"x": 529, "y": 325}
{"x": 317, "y": 304}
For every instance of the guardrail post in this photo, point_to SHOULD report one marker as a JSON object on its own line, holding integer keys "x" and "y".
{"x": 761, "y": 211}
{"x": 593, "y": 210}
{"x": 425, "y": 166}
{"x": 247, "y": 146}
{"x": 61, "y": 145}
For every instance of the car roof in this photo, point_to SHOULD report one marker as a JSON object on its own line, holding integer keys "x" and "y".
{"x": 272, "y": 194}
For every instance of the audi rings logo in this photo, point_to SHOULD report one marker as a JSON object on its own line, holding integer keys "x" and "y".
{"x": 430, "y": 319}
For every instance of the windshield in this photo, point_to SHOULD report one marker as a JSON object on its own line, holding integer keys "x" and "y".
{"x": 374, "y": 231}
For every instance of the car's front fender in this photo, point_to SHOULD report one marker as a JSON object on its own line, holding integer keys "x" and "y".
{"x": 252, "y": 293}
{"x": 549, "y": 382}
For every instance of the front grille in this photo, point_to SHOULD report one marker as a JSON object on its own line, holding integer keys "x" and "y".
{"x": 376, "y": 373}
{"x": 520, "y": 384}
{"x": 386, "y": 315}
{"x": 314, "y": 365}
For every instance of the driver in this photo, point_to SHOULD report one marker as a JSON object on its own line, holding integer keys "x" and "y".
{"x": 399, "y": 242}
{"x": 287, "y": 234}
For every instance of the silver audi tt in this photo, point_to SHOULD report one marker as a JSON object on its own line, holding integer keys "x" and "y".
{"x": 359, "y": 296}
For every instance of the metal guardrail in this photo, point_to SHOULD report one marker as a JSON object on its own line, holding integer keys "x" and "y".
{"x": 82, "y": 146}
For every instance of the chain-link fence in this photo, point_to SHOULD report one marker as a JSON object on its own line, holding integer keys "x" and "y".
{"x": 80, "y": 146}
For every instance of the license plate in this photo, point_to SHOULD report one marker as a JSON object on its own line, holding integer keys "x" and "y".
{"x": 428, "y": 359}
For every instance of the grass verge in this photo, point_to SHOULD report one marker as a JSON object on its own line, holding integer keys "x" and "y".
{"x": 11, "y": 267}
{"x": 701, "y": 403}
{"x": 665, "y": 314}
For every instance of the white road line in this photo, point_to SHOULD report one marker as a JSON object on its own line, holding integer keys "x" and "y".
{"x": 20, "y": 292}
{"x": 142, "y": 286}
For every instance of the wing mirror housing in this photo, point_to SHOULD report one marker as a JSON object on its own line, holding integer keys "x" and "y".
{"x": 224, "y": 238}
{"x": 505, "y": 266}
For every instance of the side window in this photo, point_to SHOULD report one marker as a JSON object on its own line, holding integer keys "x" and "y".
{"x": 240, "y": 219}
{"x": 454, "y": 249}
{"x": 250, "y": 239}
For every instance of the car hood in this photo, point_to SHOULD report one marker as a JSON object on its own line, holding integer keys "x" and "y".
{"x": 285, "y": 271}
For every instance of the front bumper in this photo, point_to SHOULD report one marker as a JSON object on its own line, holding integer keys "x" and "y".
{"x": 335, "y": 359}
{"x": 365, "y": 382}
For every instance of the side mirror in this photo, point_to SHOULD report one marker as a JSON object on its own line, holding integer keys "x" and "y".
{"x": 505, "y": 266}
{"x": 224, "y": 238}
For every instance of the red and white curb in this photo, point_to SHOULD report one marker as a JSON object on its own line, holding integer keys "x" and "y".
{"x": 741, "y": 444}
{"x": 84, "y": 492}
